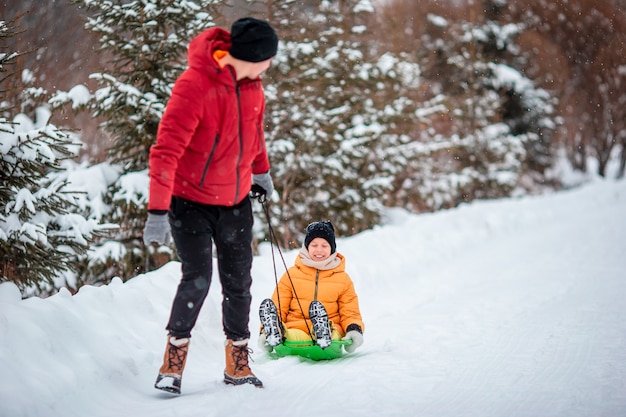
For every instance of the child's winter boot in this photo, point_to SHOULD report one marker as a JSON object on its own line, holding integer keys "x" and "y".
{"x": 237, "y": 371}
{"x": 269, "y": 319}
{"x": 171, "y": 372}
{"x": 321, "y": 326}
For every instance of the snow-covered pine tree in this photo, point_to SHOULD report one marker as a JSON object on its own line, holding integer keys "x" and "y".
{"x": 333, "y": 107}
{"x": 147, "y": 41}
{"x": 41, "y": 231}
{"x": 498, "y": 133}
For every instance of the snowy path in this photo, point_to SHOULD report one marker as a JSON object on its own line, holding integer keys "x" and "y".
{"x": 496, "y": 309}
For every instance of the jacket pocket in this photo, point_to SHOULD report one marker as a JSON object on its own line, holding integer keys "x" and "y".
{"x": 209, "y": 159}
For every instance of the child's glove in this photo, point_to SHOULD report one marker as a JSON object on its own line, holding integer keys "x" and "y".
{"x": 157, "y": 230}
{"x": 264, "y": 346}
{"x": 357, "y": 340}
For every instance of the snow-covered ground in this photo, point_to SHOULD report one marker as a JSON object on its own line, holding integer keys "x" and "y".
{"x": 501, "y": 309}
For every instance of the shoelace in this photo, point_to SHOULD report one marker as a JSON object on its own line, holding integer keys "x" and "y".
{"x": 176, "y": 357}
{"x": 240, "y": 355}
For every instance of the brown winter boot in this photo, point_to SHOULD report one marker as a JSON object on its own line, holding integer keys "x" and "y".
{"x": 171, "y": 372}
{"x": 237, "y": 371}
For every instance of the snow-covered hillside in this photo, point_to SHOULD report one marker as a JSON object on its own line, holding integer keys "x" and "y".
{"x": 495, "y": 309}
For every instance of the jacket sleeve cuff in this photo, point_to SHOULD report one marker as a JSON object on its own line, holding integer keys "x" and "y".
{"x": 354, "y": 326}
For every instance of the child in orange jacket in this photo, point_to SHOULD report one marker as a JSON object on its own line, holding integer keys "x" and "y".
{"x": 318, "y": 282}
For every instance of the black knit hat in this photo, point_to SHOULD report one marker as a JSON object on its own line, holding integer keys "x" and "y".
{"x": 254, "y": 40}
{"x": 325, "y": 230}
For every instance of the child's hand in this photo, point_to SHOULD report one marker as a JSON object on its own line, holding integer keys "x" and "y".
{"x": 262, "y": 345}
{"x": 357, "y": 340}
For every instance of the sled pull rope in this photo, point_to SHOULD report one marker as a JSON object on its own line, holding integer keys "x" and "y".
{"x": 273, "y": 239}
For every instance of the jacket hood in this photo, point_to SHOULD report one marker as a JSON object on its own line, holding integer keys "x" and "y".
{"x": 202, "y": 47}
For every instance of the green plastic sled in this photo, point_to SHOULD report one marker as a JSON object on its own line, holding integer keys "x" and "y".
{"x": 309, "y": 350}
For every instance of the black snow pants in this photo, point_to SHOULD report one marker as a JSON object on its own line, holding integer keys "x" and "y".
{"x": 195, "y": 227}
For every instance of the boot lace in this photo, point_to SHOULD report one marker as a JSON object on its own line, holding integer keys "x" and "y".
{"x": 176, "y": 357}
{"x": 240, "y": 357}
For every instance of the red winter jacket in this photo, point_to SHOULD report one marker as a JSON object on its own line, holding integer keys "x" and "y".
{"x": 210, "y": 140}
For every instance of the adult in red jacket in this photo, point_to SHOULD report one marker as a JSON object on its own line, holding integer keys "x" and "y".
{"x": 210, "y": 151}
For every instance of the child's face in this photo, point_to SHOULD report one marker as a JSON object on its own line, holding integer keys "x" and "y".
{"x": 319, "y": 249}
{"x": 252, "y": 70}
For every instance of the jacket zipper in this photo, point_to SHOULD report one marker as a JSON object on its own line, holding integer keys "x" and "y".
{"x": 237, "y": 93}
{"x": 208, "y": 162}
{"x": 240, "y": 144}
{"x": 317, "y": 275}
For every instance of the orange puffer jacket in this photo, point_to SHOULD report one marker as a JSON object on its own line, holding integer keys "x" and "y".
{"x": 335, "y": 290}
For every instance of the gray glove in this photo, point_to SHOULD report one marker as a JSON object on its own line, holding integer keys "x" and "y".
{"x": 262, "y": 345}
{"x": 157, "y": 230}
{"x": 357, "y": 340}
{"x": 264, "y": 181}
